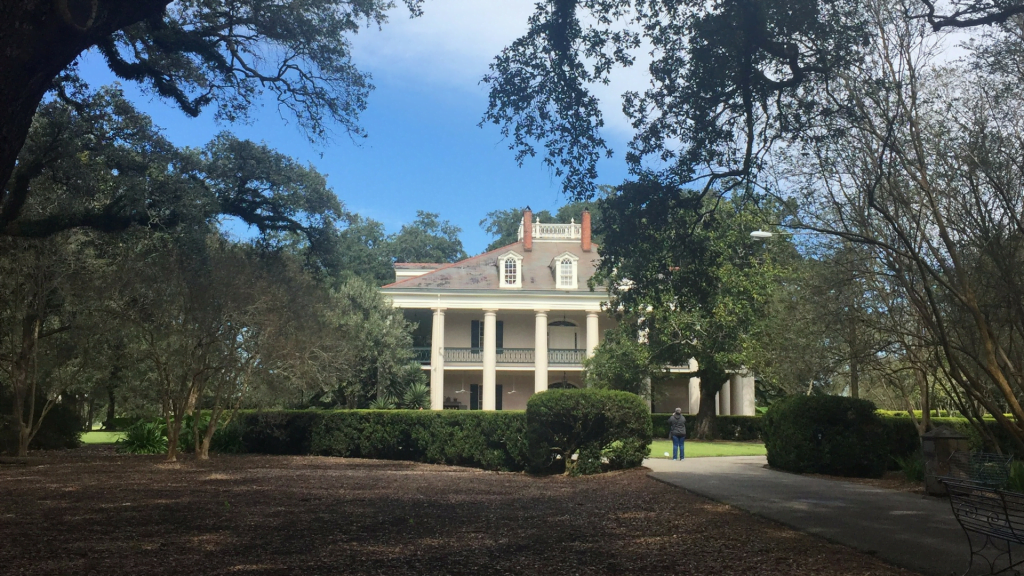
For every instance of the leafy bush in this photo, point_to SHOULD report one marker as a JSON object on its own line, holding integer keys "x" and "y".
{"x": 385, "y": 402}
{"x": 1015, "y": 480}
{"x": 143, "y": 438}
{"x": 912, "y": 467}
{"x": 488, "y": 440}
{"x": 416, "y": 396}
{"x": 226, "y": 440}
{"x": 563, "y": 424}
{"x": 61, "y": 428}
{"x": 826, "y": 435}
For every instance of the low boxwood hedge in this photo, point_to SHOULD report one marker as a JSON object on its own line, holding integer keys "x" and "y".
{"x": 488, "y": 440}
{"x": 739, "y": 428}
{"x": 827, "y": 435}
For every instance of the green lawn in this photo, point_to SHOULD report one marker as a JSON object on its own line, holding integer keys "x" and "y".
{"x": 698, "y": 449}
{"x": 101, "y": 437}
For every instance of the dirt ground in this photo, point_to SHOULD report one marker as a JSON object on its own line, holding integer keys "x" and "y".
{"x": 90, "y": 511}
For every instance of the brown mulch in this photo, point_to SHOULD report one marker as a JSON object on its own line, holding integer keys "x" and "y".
{"x": 92, "y": 512}
{"x": 890, "y": 481}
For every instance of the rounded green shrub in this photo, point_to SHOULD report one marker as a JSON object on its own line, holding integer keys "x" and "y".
{"x": 570, "y": 429}
{"x": 826, "y": 435}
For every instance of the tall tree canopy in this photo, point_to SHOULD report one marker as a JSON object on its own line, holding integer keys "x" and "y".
{"x": 683, "y": 267}
{"x": 728, "y": 79}
{"x": 196, "y": 54}
{"x": 428, "y": 239}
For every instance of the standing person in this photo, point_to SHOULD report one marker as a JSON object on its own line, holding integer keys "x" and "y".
{"x": 677, "y": 432}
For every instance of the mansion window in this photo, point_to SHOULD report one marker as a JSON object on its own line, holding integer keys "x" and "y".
{"x": 510, "y": 270}
{"x": 564, "y": 268}
{"x": 565, "y": 276}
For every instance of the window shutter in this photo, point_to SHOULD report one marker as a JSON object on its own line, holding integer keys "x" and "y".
{"x": 474, "y": 334}
{"x": 497, "y": 397}
{"x": 499, "y": 333}
{"x": 474, "y": 396}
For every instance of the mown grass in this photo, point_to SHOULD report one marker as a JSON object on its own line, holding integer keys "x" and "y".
{"x": 101, "y": 437}
{"x": 701, "y": 449}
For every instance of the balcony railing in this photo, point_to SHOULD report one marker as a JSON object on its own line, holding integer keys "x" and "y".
{"x": 565, "y": 356}
{"x": 421, "y": 354}
{"x": 502, "y": 355}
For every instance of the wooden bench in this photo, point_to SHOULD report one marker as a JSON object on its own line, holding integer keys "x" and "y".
{"x": 988, "y": 512}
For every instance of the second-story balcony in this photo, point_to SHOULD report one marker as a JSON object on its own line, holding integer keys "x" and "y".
{"x": 503, "y": 356}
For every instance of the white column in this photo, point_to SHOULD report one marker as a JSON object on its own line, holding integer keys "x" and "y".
{"x": 437, "y": 361}
{"x": 593, "y": 334}
{"x": 540, "y": 352}
{"x": 693, "y": 396}
{"x": 718, "y": 404}
{"x": 490, "y": 359}
{"x": 725, "y": 399}
{"x": 736, "y": 385}
{"x": 748, "y": 397}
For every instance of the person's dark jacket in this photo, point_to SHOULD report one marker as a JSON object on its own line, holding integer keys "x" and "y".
{"x": 677, "y": 425}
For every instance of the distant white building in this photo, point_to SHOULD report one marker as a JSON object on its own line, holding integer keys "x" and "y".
{"x": 497, "y": 328}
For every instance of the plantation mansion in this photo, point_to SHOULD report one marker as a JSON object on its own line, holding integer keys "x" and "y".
{"x": 495, "y": 329}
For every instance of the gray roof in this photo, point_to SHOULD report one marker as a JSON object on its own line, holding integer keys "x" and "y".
{"x": 481, "y": 272}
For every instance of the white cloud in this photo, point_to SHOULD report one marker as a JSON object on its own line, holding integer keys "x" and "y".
{"x": 452, "y": 44}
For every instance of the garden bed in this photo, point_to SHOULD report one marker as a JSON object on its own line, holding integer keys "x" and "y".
{"x": 90, "y": 511}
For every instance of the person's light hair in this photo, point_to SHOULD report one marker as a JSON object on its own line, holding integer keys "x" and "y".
{"x": 679, "y": 410}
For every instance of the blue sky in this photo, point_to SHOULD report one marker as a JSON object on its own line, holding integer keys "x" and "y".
{"x": 424, "y": 150}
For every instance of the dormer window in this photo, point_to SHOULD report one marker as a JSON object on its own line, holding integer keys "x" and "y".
{"x": 510, "y": 270}
{"x": 564, "y": 269}
{"x": 566, "y": 275}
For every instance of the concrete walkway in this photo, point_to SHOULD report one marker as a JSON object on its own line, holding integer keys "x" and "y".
{"x": 908, "y": 530}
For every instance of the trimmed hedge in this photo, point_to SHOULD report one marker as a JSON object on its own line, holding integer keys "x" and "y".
{"x": 827, "y": 435}
{"x": 488, "y": 440}
{"x": 738, "y": 428}
{"x": 585, "y": 423}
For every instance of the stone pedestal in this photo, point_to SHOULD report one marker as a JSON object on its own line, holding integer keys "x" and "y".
{"x": 937, "y": 446}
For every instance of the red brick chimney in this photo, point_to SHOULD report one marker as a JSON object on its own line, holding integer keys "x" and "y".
{"x": 585, "y": 230}
{"x": 528, "y": 229}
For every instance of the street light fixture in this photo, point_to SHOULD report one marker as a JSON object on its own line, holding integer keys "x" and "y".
{"x": 763, "y": 234}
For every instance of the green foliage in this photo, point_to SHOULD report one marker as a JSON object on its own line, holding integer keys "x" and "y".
{"x": 416, "y": 396}
{"x": 119, "y": 423}
{"x": 622, "y": 362}
{"x": 143, "y": 437}
{"x": 563, "y": 424}
{"x": 428, "y": 239}
{"x": 912, "y": 467}
{"x": 698, "y": 285}
{"x": 728, "y": 78}
{"x": 488, "y": 440}
{"x": 384, "y": 402}
{"x": 826, "y": 435}
{"x": 1015, "y": 479}
{"x": 62, "y": 428}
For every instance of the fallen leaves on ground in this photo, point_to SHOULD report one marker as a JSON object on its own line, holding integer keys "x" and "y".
{"x": 90, "y": 511}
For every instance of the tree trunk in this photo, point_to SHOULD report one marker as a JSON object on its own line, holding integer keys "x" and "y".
{"x": 89, "y": 413}
{"x": 39, "y": 39}
{"x": 704, "y": 428}
{"x": 854, "y": 377}
{"x": 111, "y": 414}
{"x": 173, "y": 431}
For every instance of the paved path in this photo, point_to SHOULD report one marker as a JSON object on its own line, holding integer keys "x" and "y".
{"x": 913, "y": 531}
